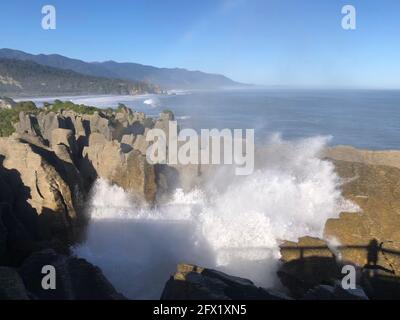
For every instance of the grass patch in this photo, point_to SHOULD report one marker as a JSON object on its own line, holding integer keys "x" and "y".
{"x": 9, "y": 117}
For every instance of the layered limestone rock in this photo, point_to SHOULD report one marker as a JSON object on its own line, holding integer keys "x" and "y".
{"x": 127, "y": 117}
{"x": 41, "y": 184}
{"x": 305, "y": 247}
{"x": 79, "y": 125}
{"x": 110, "y": 146}
{"x": 49, "y": 122}
{"x": 368, "y": 239}
{"x": 375, "y": 189}
{"x": 163, "y": 122}
{"x": 307, "y": 264}
{"x": 27, "y": 124}
{"x": 140, "y": 144}
{"x": 101, "y": 124}
{"x": 130, "y": 170}
{"x": 389, "y": 158}
{"x": 65, "y": 137}
{"x": 46, "y": 169}
{"x": 44, "y": 123}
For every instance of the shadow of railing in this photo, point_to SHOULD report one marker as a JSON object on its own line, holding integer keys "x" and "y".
{"x": 373, "y": 249}
{"x": 378, "y": 276}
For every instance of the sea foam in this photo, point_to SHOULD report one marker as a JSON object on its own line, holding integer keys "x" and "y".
{"x": 234, "y": 224}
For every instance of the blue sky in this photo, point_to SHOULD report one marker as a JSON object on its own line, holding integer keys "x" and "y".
{"x": 271, "y": 42}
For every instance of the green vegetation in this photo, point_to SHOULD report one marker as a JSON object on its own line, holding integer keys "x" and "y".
{"x": 121, "y": 107}
{"x": 171, "y": 114}
{"x": 30, "y": 78}
{"x": 8, "y": 117}
{"x": 148, "y": 123}
{"x": 59, "y": 105}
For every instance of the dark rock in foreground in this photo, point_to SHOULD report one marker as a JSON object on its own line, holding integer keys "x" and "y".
{"x": 11, "y": 285}
{"x": 195, "y": 283}
{"x": 191, "y": 283}
{"x": 335, "y": 292}
{"x": 76, "y": 279}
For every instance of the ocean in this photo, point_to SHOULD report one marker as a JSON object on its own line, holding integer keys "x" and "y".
{"x": 362, "y": 118}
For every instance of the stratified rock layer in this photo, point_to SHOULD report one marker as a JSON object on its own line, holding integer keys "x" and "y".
{"x": 376, "y": 190}
{"x": 369, "y": 239}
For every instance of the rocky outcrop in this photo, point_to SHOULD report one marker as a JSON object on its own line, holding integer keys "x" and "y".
{"x": 46, "y": 169}
{"x": 140, "y": 144}
{"x": 40, "y": 197}
{"x": 48, "y": 122}
{"x": 76, "y": 279}
{"x": 375, "y": 189}
{"x": 307, "y": 264}
{"x": 11, "y": 285}
{"x": 102, "y": 125}
{"x": 127, "y": 117}
{"x": 28, "y": 124}
{"x": 335, "y": 292}
{"x": 369, "y": 239}
{"x": 389, "y": 158}
{"x": 110, "y": 145}
{"x": 163, "y": 122}
{"x": 305, "y": 247}
{"x": 129, "y": 170}
{"x": 41, "y": 172}
{"x": 195, "y": 283}
{"x": 65, "y": 137}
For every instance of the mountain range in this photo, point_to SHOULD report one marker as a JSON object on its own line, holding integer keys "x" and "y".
{"x": 165, "y": 78}
{"x": 28, "y": 78}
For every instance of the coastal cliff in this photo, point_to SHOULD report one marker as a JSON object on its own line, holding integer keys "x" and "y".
{"x": 48, "y": 164}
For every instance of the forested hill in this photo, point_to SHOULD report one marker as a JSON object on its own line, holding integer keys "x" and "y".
{"x": 167, "y": 78}
{"x": 27, "y": 78}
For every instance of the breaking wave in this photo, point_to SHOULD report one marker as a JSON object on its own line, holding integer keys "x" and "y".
{"x": 152, "y": 102}
{"x": 234, "y": 224}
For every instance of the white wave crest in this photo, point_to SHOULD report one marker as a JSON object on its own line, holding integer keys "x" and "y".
{"x": 235, "y": 225}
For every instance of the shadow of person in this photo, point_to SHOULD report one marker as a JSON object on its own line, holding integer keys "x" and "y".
{"x": 372, "y": 252}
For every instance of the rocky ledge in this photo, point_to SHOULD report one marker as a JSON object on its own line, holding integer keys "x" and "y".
{"x": 195, "y": 283}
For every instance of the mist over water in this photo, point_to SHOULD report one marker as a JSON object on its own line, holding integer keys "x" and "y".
{"x": 233, "y": 223}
